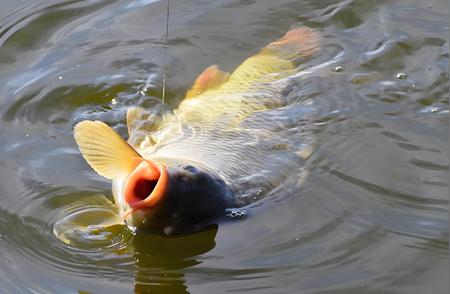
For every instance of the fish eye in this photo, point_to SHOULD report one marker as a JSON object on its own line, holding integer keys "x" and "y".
{"x": 190, "y": 168}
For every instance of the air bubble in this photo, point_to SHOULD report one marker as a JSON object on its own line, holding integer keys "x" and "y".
{"x": 338, "y": 68}
{"x": 235, "y": 213}
{"x": 401, "y": 76}
{"x": 114, "y": 101}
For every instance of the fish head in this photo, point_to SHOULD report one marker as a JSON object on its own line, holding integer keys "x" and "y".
{"x": 169, "y": 197}
{"x": 161, "y": 195}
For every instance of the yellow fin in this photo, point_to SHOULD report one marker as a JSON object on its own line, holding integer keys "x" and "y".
{"x": 297, "y": 43}
{"x": 211, "y": 78}
{"x": 134, "y": 116}
{"x": 278, "y": 59}
{"x": 104, "y": 150}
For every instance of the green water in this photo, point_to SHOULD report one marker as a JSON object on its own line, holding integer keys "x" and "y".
{"x": 371, "y": 217}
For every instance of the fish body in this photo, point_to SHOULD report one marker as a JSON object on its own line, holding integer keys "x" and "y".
{"x": 181, "y": 171}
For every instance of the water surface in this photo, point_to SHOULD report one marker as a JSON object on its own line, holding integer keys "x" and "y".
{"x": 371, "y": 217}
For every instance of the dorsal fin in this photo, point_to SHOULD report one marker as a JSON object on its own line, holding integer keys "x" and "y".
{"x": 211, "y": 78}
{"x": 104, "y": 150}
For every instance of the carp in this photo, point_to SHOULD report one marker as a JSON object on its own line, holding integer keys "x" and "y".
{"x": 179, "y": 173}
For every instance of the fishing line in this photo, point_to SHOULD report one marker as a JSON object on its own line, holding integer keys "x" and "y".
{"x": 164, "y": 67}
{"x": 163, "y": 94}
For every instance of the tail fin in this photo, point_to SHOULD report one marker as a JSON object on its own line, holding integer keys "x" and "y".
{"x": 300, "y": 43}
{"x": 279, "y": 57}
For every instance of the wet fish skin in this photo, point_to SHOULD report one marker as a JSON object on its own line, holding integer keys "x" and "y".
{"x": 175, "y": 175}
{"x": 193, "y": 200}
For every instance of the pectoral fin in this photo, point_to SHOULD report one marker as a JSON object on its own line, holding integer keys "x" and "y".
{"x": 104, "y": 150}
{"x": 211, "y": 78}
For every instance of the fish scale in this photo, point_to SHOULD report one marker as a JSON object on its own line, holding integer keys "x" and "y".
{"x": 208, "y": 127}
{"x": 228, "y": 143}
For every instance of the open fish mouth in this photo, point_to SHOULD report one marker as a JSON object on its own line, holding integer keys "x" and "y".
{"x": 146, "y": 185}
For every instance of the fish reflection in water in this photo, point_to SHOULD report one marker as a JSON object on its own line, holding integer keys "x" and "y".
{"x": 154, "y": 252}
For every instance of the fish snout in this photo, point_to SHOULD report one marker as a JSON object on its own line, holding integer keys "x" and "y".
{"x": 146, "y": 185}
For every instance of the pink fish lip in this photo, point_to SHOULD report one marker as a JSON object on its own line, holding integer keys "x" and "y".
{"x": 146, "y": 185}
